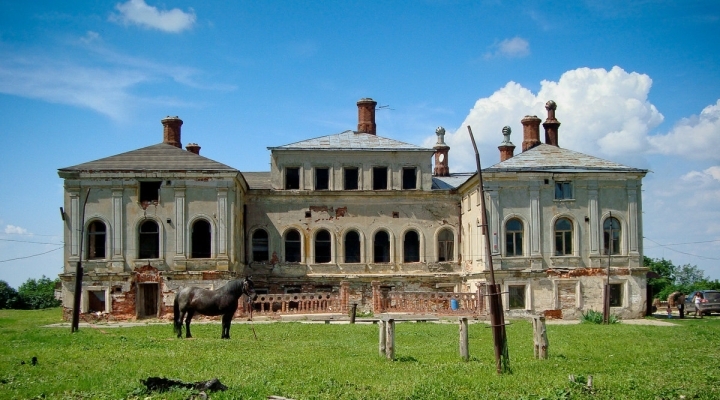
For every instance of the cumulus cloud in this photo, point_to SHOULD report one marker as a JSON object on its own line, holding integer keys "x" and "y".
{"x": 15, "y": 230}
{"x": 694, "y": 137}
{"x": 603, "y": 113}
{"x": 137, "y": 12}
{"x": 512, "y": 48}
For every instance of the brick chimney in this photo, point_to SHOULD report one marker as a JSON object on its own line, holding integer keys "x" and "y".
{"x": 551, "y": 125}
{"x": 366, "y": 116}
{"x": 171, "y": 131}
{"x": 531, "y": 132}
{"x": 441, "y": 154}
{"x": 507, "y": 149}
{"x": 193, "y": 148}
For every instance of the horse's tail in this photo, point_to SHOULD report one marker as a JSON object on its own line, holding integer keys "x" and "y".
{"x": 177, "y": 320}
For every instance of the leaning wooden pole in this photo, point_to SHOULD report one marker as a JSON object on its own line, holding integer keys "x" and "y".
{"x": 502, "y": 359}
{"x": 74, "y": 326}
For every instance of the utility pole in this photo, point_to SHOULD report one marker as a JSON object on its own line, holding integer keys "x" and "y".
{"x": 497, "y": 317}
{"x": 79, "y": 271}
{"x": 606, "y": 288}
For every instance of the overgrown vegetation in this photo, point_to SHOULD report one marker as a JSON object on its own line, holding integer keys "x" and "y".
{"x": 341, "y": 361}
{"x": 31, "y": 295}
{"x": 596, "y": 317}
{"x": 684, "y": 278}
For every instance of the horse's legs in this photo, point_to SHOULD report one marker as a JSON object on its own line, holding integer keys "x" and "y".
{"x": 226, "y": 320}
{"x": 187, "y": 324}
{"x": 178, "y": 323}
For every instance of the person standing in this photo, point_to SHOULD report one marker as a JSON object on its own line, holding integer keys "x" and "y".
{"x": 697, "y": 299}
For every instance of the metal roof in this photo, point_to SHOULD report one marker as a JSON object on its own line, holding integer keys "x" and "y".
{"x": 159, "y": 157}
{"x": 351, "y": 140}
{"x": 550, "y": 158}
{"x": 257, "y": 180}
{"x": 453, "y": 181}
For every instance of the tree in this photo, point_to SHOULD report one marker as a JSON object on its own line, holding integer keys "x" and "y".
{"x": 37, "y": 294}
{"x": 665, "y": 284}
{"x": 688, "y": 275}
{"x": 8, "y": 296}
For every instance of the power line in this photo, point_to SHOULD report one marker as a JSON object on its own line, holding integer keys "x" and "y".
{"x": 28, "y": 241}
{"x": 682, "y": 252}
{"x": 34, "y": 255}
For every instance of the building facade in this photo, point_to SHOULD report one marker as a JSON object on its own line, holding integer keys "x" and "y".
{"x": 355, "y": 218}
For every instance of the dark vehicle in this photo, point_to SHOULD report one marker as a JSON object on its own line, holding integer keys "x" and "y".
{"x": 711, "y": 305}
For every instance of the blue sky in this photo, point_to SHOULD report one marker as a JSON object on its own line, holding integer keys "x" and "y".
{"x": 635, "y": 83}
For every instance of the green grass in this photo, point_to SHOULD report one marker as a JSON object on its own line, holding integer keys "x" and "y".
{"x": 318, "y": 361}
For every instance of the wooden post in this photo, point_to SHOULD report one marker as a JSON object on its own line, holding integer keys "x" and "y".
{"x": 390, "y": 339}
{"x": 464, "y": 351}
{"x": 353, "y": 311}
{"x": 540, "y": 339}
{"x": 383, "y": 330}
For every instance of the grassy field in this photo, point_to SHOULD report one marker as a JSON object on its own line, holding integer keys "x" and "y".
{"x": 318, "y": 361}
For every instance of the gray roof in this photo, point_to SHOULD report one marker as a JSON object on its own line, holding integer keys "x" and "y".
{"x": 550, "y": 158}
{"x": 351, "y": 140}
{"x": 257, "y": 180}
{"x": 450, "y": 182}
{"x": 158, "y": 157}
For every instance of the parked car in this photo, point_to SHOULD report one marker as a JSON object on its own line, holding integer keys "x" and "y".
{"x": 712, "y": 305}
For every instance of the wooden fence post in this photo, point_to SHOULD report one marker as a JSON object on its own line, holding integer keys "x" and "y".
{"x": 383, "y": 327}
{"x": 390, "y": 339}
{"x": 540, "y": 339}
{"x": 464, "y": 351}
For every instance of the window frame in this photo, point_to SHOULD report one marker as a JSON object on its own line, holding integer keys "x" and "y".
{"x": 515, "y": 291}
{"x": 446, "y": 247}
{"x": 516, "y": 237}
{"x": 348, "y": 182}
{"x": 615, "y": 243}
{"x": 565, "y": 236}
{"x": 380, "y": 171}
{"x": 323, "y": 246}
{"x": 322, "y": 182}
{"x": 290, "y": 181}
{"x": 194, "y": 252}
{"x": 92, "y": 240}
{"x": 294, "y": 243}
{"x": 356, "y": 258}
{"x": 254, "y": 246}
{"x": 146, "y": 239}
{"x": 407, "y": 183}
{"x": 564, "y": 190}
{"x": 616, "y": 292}
{"x": 385, "y": 255}
{"x": 149, "y": 192}
{"x": 411, "y": 251}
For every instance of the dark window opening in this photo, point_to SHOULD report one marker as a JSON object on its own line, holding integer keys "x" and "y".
{"x": 516, "y": 297}
{"x": 380, "y": 178}
{"x": 292, "y": 246}
{"x": 149, "y": 240}
{"x": 409, "y": 178}
{"x": 323, "y": 289}
{"x": 411, "y": 247}
{"x": 446, "y": 241}
{"x": 513, "y": 238}
{"x": 381, "y": 248}
{"x": 611, "y": 236}
{"x": 96, "y": 301}
{"x": 96, "y": 236}
{"x": 322, "y": 179}
{"x": 260, "y": 248}
{"x": 616, "y": 295}
{"x": 150, "y": 191}
{"x": 352, "y": 247}
{"x": 322, "y": 247}
{"x": 563, "y": 191}
{"x": 351, "y": 179}
{"x": 292, "y": 178}
{"x": 563, "y": 237}
{"x": 200, "y": 239}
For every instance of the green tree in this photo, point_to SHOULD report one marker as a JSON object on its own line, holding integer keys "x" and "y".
{"x": 37, "y": 294}
{"x": 8, "y": 296}
{"x": 688, "y": 275}
{"x": 665, "y": 284}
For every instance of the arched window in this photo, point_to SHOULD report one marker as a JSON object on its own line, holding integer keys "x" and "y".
{"x": 513, "y": 238}
{"x": 292, "y": 246}
{"x": 381, "y": 247}
{"x": 200, "y": 239}
{"x": 352, "y": 247}
{"x": 611, "y": 236}
{"x": 411, "y": 247}
{"x": 96, "y": 236}
{"x": 563, "y": 237}
{"x": 260, "y": 246}
{"x": 322, "y": 247}
{"x": 446, "y": 243}
{"x": 149, "y": 240}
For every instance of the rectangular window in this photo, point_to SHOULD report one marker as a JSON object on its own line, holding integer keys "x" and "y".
{"x": 350, "y": 178}
{"x": 616, "y": 295}
{"x": 517, "y": 297}
{"x": 150, "y": 191}
{"x": 409, "y": 176}
{"x": 380, "y": 178}
{"x": 292, "y": 178}
{"x": 563, "y": 191}
{"x": 322, "y": 178}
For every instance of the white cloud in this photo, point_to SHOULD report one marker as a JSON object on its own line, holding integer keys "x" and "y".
{"x": 512, "y": 48}
{"x": 603, "y": 113}
{"x": 139, "y": 13}
{"x": 694, "y": 137}
{"x": 15, "y": 230}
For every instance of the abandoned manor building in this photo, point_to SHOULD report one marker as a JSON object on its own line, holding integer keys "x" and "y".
{"x": 357, "y": 218}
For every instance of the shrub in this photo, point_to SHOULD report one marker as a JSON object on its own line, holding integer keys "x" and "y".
{"x": 596, "y": 317}
{"x": 8, "y": 296}
{"x": 38, "y": 294}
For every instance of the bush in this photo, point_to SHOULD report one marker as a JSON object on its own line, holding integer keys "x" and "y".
{"x": 38, "y": 294}
{"x": 596, "y": 317}
{"x": 8, "y": 296}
